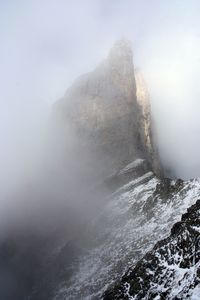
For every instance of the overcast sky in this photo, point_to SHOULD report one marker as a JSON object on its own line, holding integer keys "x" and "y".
{"x": 46, "y": 44}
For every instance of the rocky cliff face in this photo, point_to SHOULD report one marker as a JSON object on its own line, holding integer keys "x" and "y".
{"x": 93, "y": 234}
{"x": 100, "y": 245}
{"x": 109, "y": 110}
{"x": 171, "y": 270}
{"x": 146, "y": 123}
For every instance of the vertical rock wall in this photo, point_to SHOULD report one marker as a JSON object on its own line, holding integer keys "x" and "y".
{"x": 109, "y": 110}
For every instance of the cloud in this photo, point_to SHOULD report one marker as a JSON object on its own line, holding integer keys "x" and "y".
{"x": 45, "y": 45}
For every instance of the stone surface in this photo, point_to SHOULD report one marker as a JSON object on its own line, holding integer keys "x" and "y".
{"x": 136, "y": 216}
{"x": 147, "y": 138}
{"x": 171, "y": 270}
{"x": 104, "y": 124}
{"x": 109, "y": 113}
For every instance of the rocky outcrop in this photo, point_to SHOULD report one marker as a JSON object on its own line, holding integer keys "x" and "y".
{"x": 109, "y": 110}
{"x": 135, "y": 217}
{"x": 171, "y": 270}
{"x": 146, "y": 123}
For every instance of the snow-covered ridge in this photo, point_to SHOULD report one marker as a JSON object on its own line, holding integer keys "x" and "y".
{"x": 137, "y": 215}
{"x": 171, "y": 269}
{"x": 130, "y": 167}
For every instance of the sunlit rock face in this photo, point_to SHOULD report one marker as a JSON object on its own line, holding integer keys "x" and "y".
{"x": 108, "y": 112}
{"x": 144, "y": 104}
{"x": 145, "y": 122}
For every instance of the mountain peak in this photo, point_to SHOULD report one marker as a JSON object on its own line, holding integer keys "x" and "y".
{"x": 121, "y": 53}
{"x": 103, "y": 106}
{"x": 121, "y": 47}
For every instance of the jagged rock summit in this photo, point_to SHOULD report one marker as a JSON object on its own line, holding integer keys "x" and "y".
{"x": 109, "y": 112}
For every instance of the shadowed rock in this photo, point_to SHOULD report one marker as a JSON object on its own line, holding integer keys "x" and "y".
{"x": 171, "y": 270}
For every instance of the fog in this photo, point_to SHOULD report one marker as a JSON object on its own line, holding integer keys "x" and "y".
{"x": 50, "y": 188}
{"x": 45, "y": 45}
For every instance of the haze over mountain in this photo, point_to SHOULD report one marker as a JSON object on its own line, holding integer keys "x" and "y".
{"x": 97, "y": 200}
{"x": 99, "y": 142}
{"x": 46, "y": 45}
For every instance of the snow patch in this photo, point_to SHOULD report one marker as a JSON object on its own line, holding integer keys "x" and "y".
{"x": 136, "y": 163}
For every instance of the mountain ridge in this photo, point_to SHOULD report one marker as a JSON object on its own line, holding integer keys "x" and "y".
{"x": 171, "y": 270}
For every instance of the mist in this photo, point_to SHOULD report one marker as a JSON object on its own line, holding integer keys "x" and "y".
{"x": 45, "y": 45}
{"x": 50, "y": 187}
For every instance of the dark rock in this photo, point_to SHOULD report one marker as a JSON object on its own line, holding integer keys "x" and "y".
{"x": 173, "y": 262}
